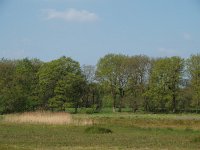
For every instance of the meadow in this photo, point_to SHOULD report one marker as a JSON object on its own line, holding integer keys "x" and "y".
{"x": 63, "y": 131}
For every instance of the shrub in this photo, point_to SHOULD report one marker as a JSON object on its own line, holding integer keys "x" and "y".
{"x": 188, "y": 129}
{"x": 196, "y": 140}
{"x": 97, "y": 130}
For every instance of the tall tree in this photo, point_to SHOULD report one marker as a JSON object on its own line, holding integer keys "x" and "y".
{"x": 89, "y": 73}
{"x": 165, "y": 83}
{"x": 18, "y": 81}
{"x": 112, "y": 70}
{"x": 106, "y": 74}
{"x": 91, "y": 88}
{"x": 68, "y": 92}
{"x": 7, "y": 69}
{"x": 52, "y": 76}
{"x": 139, "y": 74}
{"x": 123, "y": 74}
{"x": 175, "y": 78}
{"x": 26, "y": 82}
{"x": 193, "y": 66}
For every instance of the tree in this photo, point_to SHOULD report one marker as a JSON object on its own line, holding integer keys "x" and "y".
{"x": 165, "y": 82}
{"x": 112, "y": 70}
{"x": 193, "y": 66}
{"x": 68, "y": 93}
{"x": 26, "y": 79}
{"x": 89, "y": 73}
{"x": 7, "y": 69}
{"x": 123, "y": 74}
{"x": 106, "y": 74}
{"x": 91, "y": 90}
{"x": 139, "y": 73}
{"x": 74, "y": 89}
{"x": 58, "y": 80}
{"x": 18, "y": 85}
{"x": 175, "y": 78}
{"x": 157, "y": 85}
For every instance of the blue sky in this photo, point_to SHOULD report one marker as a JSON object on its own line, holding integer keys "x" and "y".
{"x": 88, "y": 29}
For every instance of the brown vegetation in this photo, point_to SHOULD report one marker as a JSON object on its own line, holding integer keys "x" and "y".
{"x": 56, "y": 118}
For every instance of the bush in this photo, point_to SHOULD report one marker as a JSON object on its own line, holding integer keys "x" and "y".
{"x": 90, "y": 111}
{"x": 97, "y": 130}
{"x": 196, "y": 140}
{"x": 189, "y": 129}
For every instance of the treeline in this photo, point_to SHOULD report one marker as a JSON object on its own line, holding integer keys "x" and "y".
{"x": 141, "y": 83}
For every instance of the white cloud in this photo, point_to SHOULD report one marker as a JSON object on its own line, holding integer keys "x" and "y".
{"x": 71, "y": 15}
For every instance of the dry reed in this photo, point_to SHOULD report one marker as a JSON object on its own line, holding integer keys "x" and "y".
{"x": 53, "y": 118}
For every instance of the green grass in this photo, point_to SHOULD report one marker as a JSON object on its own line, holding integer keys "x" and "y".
{"x": 178, "y": 121}
{"x": 129, "y": 131}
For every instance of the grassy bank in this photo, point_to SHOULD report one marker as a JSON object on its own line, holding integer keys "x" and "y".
{"x": 129, "y": 131}
{"x": 175, "y": 121}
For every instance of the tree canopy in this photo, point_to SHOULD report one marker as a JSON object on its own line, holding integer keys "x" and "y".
{"x": 141, "y": 83}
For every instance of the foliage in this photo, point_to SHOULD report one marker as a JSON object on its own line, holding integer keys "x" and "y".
{"x": 112, "y": 70}
{"x": 134, "y": 83}
{"x": 164, "y": 85}
{"x": 18, "y": 83}
{"x": 193, "y": 64}
{"x": 60, "y": 82}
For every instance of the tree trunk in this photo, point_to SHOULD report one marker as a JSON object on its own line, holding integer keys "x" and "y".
{"x": 114, "y": 100}
{"x": 121, "y": 99}
{"x": 134, "y": 106}
{"x": 76, "y": 110}
{"x": 174, "y": 103}
{"x": 146, "y": 108}
{"x": 113, "y": 109}
{"x": 87, "y": 102}
{"x": 76, "y": 107}
{"x": 197, "y": 106}
{"x": 120, "y": 105}
{"x": 134, "y": 103}
{"x": 93, "y": 98}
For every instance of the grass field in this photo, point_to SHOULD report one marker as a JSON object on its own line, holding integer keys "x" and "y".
{"x": 129, "y": 131}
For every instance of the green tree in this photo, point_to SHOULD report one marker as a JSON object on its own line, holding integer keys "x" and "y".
{"x": 106, "y": 74}
{"x": 165, "y": 82}
{"x": 193, "y": 66}
{"x": 112, "y": 70}
{"x": 139, "y": 74}
{"x": 26, "y": 79}
{"x": 91, "y": 90}
{"x": 18, "y": 83}
{"x": 57, "y": 80}
{"x": 68, "y": 93}
{"x": 123, "y": 75}
{"x": 176, "y": 68}
{"x": 7, "y": 69}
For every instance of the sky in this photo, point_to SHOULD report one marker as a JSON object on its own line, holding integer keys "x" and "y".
{"x": 86, "y": 30}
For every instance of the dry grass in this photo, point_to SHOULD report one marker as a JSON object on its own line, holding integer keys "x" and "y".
{"x": 53, "y": 118}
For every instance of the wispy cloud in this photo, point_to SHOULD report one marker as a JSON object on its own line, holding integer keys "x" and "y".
{"x": 71, "y": 15}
